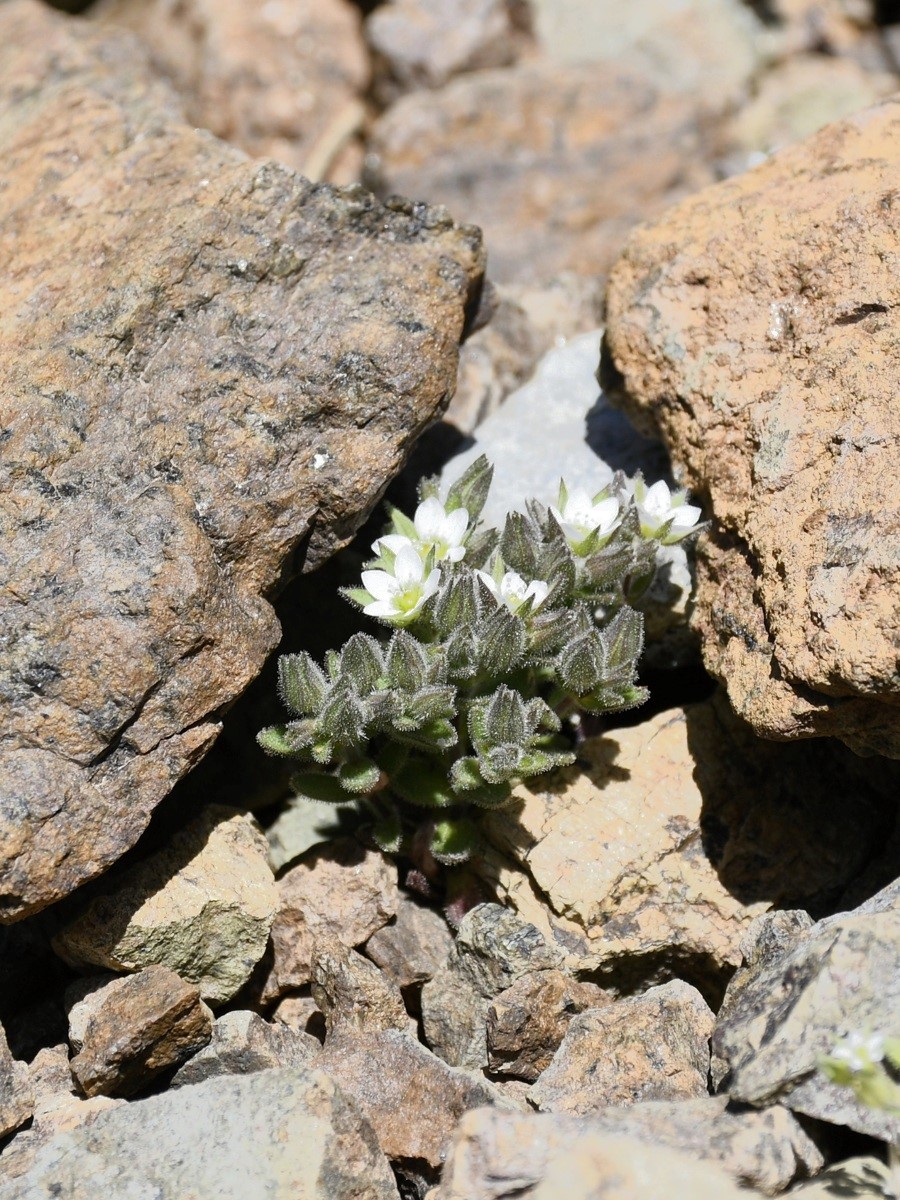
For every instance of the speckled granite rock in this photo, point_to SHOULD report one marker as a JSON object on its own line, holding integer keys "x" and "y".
{"x": 16, "y": 1090}
{"x": 212, "y": 368}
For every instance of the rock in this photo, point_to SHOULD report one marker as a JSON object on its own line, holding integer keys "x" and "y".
{"x": 708, "y": 48}
{"x": 796, "y": 98}
{"x": 521, "y": 151}
{"x": 300, "y": 825}
{"x": 273, "y": 1135}
{"x": 649, "y": 1047}
{"x": 649, "y": 859}
{"x": 411, "y": 1098}
{"x": 863, "y": 1178}
{"x": 767, "y": 1150}
{"x": 768, "y": 938}
{"x": 281, "y": 81}
{"x": 134, "y": 1028}
{"x": 16, "y": 1090}
{"x": 525, "y": 323}
{"x": 494, "y": 947}
{"x": 212, "y": 369}
{"x": 527, "y": 1021}
{"x": 542, "y": 1157}
{"x": 424, "y": 43}
{"x": 413, "y": 947}
{"x": 352, "y": 993}
{"x": 559, "y": 423}
{"x": 337, "y": 888}
{"x": 751, "y": 328}
{"x": 302, "y": 1013}
{"x": 203, "y": 905}
{"x": 841, "y": 975}
{"x": 242, "y": 1042}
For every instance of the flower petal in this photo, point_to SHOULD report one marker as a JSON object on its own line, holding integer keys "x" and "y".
{"x": 379, "y": 584}
{"x": 429, "y": 520}
{"x": 408, "y": 567}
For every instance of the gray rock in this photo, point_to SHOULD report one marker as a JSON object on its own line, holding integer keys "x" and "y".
{"x": 842, "y": 975}
{"x": 412, "y": 1099}
{"x": 649, "y": 1047}
{"x": 16, "y": 1090}
{"x": 413, "y": 948}
{"x": 242, "y": 1042}
{"x": 496, "y": 1155}
{"x": 274, "y": 1135}
{"x": 354, "y": 995}
{"x": 212, "y": 369}
{"x": 494, "y": 947}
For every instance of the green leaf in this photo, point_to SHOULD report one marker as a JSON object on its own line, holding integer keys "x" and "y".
{"x": 342, "y": 717}
{"x": 387, "y": 830}
{"x": 301, "y": 684}
{"x": 481, "y": 546}
{"x": 401, "y": 523}
{"x": 624, "y": 638}
{"x": 454, "y": 840}
{"x": 434, "y": 735}
{"x": 427, "y": 704}
{"x": 423, "y": 784}
{"x": 356, "y": 595}
{"x": 457, "y": 602}
{"x": 491, "y": 795}
{"x": 327, "y": 788}
{"x": 274, "y": 740}
{"x": 505, "y": 719}
{"x": 499, "y": 764}
{"x": 517, "y": 545}
{"x": 614, "y": 699}
{"x": 501, "y": 642}
{"x": 465, "y": 774}
{"x": 537, "y": 762}
{"x": 362, "y": 663}
{"x": 462, "y": 649}
{"x": 359, "y": 775}
{"x": 407, "y": 662}
{"x": 471, "y": 489}
{"x": 581, "y": 666}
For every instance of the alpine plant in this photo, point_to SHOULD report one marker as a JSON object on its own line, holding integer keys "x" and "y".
{"x": 494, "y": 640}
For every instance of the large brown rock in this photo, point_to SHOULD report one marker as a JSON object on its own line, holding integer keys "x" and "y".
{"x": 279, "y": 80}
{"x": 752, "y": 327}
{"x": 556, "y": 163}
{"x": 211, "y": 367}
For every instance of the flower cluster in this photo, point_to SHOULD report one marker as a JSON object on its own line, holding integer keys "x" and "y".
{"x": 497, "y": 635}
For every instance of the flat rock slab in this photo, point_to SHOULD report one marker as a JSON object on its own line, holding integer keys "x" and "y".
{"x": 211, "y": 368}
{"x": 753, "y": 327}
{"x": 274, "y": 1135}
{"x": 651, "y": 858}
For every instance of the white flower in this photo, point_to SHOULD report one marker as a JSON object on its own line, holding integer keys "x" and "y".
{"x": 513, "y": 591}
{"x": 657, "y": 505}
{"x": 402, "y": 592}
{"x": 435, "y": 529}
{"x": 860, "y": 1051}
{"x": 581, "y": 516}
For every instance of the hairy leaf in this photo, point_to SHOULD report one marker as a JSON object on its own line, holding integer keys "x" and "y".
{"x": 359, "y": 775}
{"x": 471, "y": 489}
{"x": 362, "y": 663}
{"x": 407, "y": 662}
{"x": 454, "y": 840}
{"x": 301, "y": 684}
{"x": 501, "y": 642}
{"x": 505, "y": 719}
{"x": 424, "y": 784}
{"x": 320, "y": 787}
